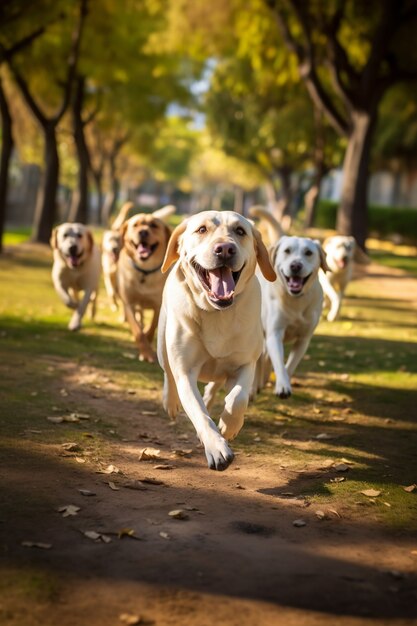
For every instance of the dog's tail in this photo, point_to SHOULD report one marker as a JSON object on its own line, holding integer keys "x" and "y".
{"x": 274, "y": 228}
{"x": 122, "y": 216}
{"x": 164, "y": 212}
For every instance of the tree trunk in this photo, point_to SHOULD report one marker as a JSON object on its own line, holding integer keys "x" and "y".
{"x": 80, "y": 207}
{"x": 352, "y": 216}
{"x": 46, "y": 210}
{"x": 111, "y": 198}
{"x": 98, "y": 181}
{"x": 6, "y": 153}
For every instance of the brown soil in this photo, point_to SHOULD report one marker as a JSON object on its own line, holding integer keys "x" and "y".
{"x": 237, "y": 559}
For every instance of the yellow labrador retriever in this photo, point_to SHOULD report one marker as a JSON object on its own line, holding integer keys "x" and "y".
{"x": 210, "y": 326}
{"x": 76, "y": 269}
{"x": 140, "y": 281}
{"x": 291, "y": 306}
{"x": 340, "y": 252}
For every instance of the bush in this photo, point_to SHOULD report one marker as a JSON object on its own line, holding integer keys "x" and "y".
{"x": 384, "y": 221}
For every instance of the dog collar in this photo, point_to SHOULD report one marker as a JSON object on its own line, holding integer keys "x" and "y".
{"x": 145, "y": 272}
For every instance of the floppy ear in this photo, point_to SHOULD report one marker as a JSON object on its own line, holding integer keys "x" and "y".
{"x": 164, "y": 212}
{"x": 122, "y": 232}
{"x": 262, "y": 257}
{"x": 171, "y": 254}
{"x": 323, "y": 262}
{"x": 53, "y": 240}
{"x": 90, "y": 240}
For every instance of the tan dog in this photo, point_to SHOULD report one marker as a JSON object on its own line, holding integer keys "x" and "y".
{"x": 340, "y": 252}
{"x": 291, "y": 306}
{"x": 111, "y": 245}
{"x": 140, "y": 281}
{"x": 210, "y": 327}
{"x": 76, "y": 268}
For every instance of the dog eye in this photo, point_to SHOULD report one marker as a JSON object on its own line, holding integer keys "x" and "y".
{"x": 240, "y": 231}
{"x": 202, "y": 230}
{"x": 78, "y": 235}
{"x": 287, "y": 251}
{"x": 308, "y": 252}
{"x": 153, "y": 225}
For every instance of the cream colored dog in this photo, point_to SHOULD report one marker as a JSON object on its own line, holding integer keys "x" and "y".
{"x": 340, "y": 252}
{"x": 210, "y": 326}
{"x": 76, "y": 268}
{"x": 111, "y": 245}
{"x": 291, "y": 306}
{"x": 140, "y": 281}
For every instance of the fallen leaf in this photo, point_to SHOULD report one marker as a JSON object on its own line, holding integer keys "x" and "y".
{"x": 80, "y": 416}
{"x": 298, "y": 523}
{"x": 110, "y": 469}
{"x": 97, "y": 537}
{"x": 151, "y": 481}
{"x": 410, "y": 488}
{"x": 371, "y": 493}
{"x": 71, "y": 447}
{"x": 347, "y": 461}
{"x": 387, "y": 504}
{"x": 149, "y": 412}
{"x": 149, "y": 453}
{"x": 338, "y": 479}
{"x": 178, "y": 514}
{"x": 134, "y": 484}
{"x": 323, "y": 436}
{"x": 68, "y": 510}
{"x": 36, "y": 544}
{"x": 130, "y": 619}
{"x": 127, "y": 532}
{"x": 183, "y": 452}
{"x": 335, "y": 512}
{"x": 79, "y": 459}
{"x": 55, "y": 419}
{"x": 341, "y": 467}
{"x": 86, "y": 492}
{"x": 320, "y": 515}
{"x": 128, "y": 355}
{"x": 327, "y": 463}
{"x": 164, "y": 535}
{"x": 164, "y": 467}
{"x": 113, "y": 486}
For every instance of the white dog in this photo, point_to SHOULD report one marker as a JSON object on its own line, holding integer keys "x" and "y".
{"x": 111, "y": 245}
{"x": 291, "y": 306}
{"x": 340, "y": 251}
{"x": 210, "y": 326}
{"x": 76, "y": 268}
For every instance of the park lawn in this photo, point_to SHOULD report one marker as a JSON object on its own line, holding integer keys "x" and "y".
{"x": 353, "y": 404}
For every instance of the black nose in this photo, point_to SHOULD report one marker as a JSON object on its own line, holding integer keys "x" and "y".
{"x": 345, "y": 259}
{"x": 143, "y": 234}
{"x": 73, "y": 250}
{"x": 296, "y": 267}
{"x": 225, "y": 250}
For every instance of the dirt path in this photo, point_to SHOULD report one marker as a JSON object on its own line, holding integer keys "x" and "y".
{"x": 237, "y": 558}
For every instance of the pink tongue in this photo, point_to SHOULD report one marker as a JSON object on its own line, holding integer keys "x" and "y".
{"x": 295, "y": 283}
{"x": 74, "y": 261}
{"x": 143, "y": 250}
{"x": 222, "y": 283}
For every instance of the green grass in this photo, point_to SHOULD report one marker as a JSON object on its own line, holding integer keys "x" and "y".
{"x": 357, "y": 386}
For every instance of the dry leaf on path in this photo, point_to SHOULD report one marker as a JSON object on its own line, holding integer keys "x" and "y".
{"x": 97, "y": 537}
{"x": 152, "y": 481}
{"x": 178, "y": 514}
{"x": 149, "y": 453}
{"x": 110, "y": 469}
{"x": 135, "y": 484}
{"x": 164, "y": 535}
{"x": 410, "y": 488}
{"x": 36, "y": 544}
{"x": 183, "y": 452}
{"x": 164, "y": 467}
{"x": 298, "y": 523}
{"x": 371, "y": 493}
{"x": 113, "y": 486}
{"x": 68, "y": 510}
{"x": 341, "y": 467}
{"x": 71, "y": 447}
{"x": 86, "y": 492}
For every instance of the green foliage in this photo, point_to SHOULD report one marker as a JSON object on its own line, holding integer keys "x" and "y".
{"x": 384, "y": 221}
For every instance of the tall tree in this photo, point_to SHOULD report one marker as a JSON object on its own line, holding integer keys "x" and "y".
{"x": 45, "y": 215}
{"x": 349, "y": 54}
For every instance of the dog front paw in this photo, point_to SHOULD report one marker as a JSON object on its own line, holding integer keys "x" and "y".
{"x": 147, "y": 354}
{"x": 71, "y": 304}
{"x": 75, "y": 323}
{"x": 283, "y": 390}
{"x": 218, "y": 454}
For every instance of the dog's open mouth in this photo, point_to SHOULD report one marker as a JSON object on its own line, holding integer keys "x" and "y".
{"x": 342, "y": 263}
{"x": 144, "y": 250}
{"x": 295, "y": 284}
{"x": 74, "y": 260}
{"x": 220, "y": 283}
